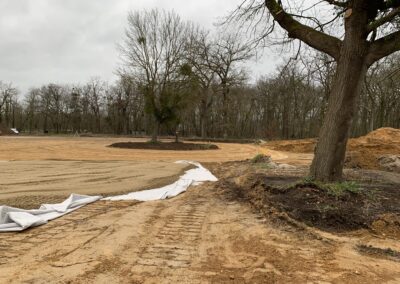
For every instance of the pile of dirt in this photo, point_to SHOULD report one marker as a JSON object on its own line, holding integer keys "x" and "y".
{"x": 366, "y": 151}
{"x": 165, "y": 146}
{"x": 362, "y": 153}
{"x": 382, "y": 135}
{"x": 315, "y": 205}
{"x": 387, "y": 225}
{"x": 294, "y": 146}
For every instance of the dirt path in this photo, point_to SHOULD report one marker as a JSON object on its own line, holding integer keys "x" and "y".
{"x": 198, "y": 237}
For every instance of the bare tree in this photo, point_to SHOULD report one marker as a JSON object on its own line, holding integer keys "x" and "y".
{"x": 227, "y": 51}
{"x": 7, "y": 99}
{"x": 153, "y": 52}
{"x": 370, "y": 33}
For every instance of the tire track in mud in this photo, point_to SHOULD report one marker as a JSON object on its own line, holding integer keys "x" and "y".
{"x": 176, "y": 243}
{"x": 14, "y": 245}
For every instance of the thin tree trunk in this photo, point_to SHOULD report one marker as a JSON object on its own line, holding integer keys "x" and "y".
{"x": 156, "y": 130}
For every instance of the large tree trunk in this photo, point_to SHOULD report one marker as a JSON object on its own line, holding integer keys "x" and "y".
{"x": 351, "y": 69}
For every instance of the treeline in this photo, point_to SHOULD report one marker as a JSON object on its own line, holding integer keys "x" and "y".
{"x": 177, "y": 77}
{"x": 289, "y": 104}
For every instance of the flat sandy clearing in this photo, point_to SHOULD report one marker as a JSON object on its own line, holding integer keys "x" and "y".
{"x": 95, "y": 149}
{"x": 206, "y": 235}
{"x": 28, "y": 184}
{"x": 36, "y": 170}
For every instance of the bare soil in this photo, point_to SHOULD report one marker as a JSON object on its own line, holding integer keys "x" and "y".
{"x": 28, "y": 184}
{"x": 239, "y": 230}
{"x": 310, "y": 203}
{"x": 362, "y": 152}
{"x": 180, "y": 146}
{"x": 95, "y": 149}
{"x": 199, "y": 237}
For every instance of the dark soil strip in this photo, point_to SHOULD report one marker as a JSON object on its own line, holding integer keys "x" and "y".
{"x": 164, "y": 146}
{"x": 378, "y": 252}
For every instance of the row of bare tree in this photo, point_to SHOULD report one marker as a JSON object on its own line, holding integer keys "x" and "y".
{"x": 289, "y": 104}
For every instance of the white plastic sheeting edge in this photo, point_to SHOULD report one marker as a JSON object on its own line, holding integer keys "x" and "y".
{"x": 14, "y": 219}
{"x": 191, "y": 177}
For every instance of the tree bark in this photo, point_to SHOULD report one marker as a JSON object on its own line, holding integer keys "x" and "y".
{"x": 156, "y": 130}
{"x": 351, "y": 70}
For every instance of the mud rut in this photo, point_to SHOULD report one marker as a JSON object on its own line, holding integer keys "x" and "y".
{"x": 177, "y": 241}
{"x": 198, "y": 237}
{"x": 11, "y": 244}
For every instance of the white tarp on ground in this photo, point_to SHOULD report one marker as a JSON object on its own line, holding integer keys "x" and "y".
{"x": 191, "y": 177}
{"x": 14, "y": 219}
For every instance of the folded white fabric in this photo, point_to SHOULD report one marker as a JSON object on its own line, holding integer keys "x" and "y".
{"x": 14, "y": 219}
{"x": 191, "y": 177}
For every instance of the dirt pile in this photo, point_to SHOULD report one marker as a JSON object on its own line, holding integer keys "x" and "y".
{"x": 165, "y": 146}
{"x": 362, "y": 153}
{"x": 366, "y": 151}
{"x": 335, "y": 208}
{"x": 387, "y": 225}
{"x": 295, "y": 146}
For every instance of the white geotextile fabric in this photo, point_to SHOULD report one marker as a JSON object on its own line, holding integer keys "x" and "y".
{"x": 14, "y": 219}
{"x": 191, "y": 177}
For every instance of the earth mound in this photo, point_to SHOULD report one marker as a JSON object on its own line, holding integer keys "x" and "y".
{"x": 172, "y": 146}
{"x": 338, "y": 207}
{"x": 366, "y": 152}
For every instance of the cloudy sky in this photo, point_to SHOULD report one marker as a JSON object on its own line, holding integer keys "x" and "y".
{"x": 70, "y": 41}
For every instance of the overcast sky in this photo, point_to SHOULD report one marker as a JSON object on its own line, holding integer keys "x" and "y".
{"x": 70, "y": 41}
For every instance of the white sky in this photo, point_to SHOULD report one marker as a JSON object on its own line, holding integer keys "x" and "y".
{"x": 70, "y": 41}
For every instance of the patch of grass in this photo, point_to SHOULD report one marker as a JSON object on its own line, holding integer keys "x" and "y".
{"x": 340, "y": 188}
{"x": 260, "y": 158}
{"x": 262, "y": 161}
{"x": 208, "y": 146}
{"x": 335, "y": 189}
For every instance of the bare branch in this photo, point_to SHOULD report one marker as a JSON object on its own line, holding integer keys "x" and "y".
{"x": 384, "y": 47}
{"x": 338, "y": 3}
{"x": 316, "y": 39}
{"x": 383, "y": 20}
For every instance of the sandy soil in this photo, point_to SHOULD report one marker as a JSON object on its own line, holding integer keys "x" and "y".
{"x": 362, "y": 152}
{"x": 27, "y": 184}
{"x": 198, "y": 237}
{"x": 36, "y": 170}
{"x": 95, "y": 149}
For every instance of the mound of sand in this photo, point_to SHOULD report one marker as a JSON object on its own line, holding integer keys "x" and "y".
{"x": 381, "y": 135}
{"x": 366, "y": 151}
{"x": 294, "y": 146}
{"x": 363, "y": 152}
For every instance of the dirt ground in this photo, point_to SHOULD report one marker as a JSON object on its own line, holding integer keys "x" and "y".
{"x": 362, "y": 152}
{"x": 207, "y": 235}
{"x": 95, "y": 149}
{"x": 27, "y": 184}
{"x": 198, "y": 237}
